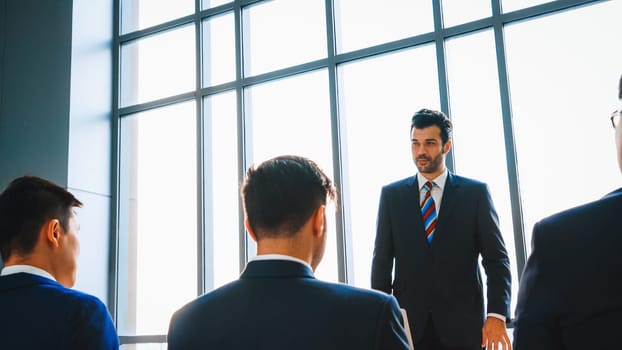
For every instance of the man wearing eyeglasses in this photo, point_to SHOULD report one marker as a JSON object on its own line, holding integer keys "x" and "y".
{"x": 570, "y": 295}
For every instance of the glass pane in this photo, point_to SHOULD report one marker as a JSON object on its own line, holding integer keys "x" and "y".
{"x": 147, "y": 346}
{"x": 158, "y": 222}
{"x": 459, "y": 11}
{"x": 364, "y": 23}
{"x": 141, "y": 14}
{"x": 206, "y": 4}
{"x": 379, "y": 97}
{"x": 158, "y": 66}
{"x": 478, "y": 141}
{"x": 222, "y": 242}
{"x": 282, "y": 34}
{"x": 218, "y": 50}
{"x": 564, "y": 87}
{"x": 513, "y": 5}
{"x": 298, "y": 124}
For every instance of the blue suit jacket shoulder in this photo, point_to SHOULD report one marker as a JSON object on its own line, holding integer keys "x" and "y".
{"x": 571, "y": 288}
{"x": 39, "y": 313}
{"x": 280, "y": 305}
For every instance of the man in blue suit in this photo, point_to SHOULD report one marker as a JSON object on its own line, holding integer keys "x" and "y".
{"x": 434, "y": 226}
{"x": 39, "y": 247}
{"x": 570, "y": 295}
{"x": 277, "y": 303}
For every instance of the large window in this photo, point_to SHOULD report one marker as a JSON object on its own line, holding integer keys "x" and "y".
{"x": 206, "y": 88}
{"x": 157, "y": 239}
{"x": 377, "y": 136}
{"x": 562, "y": 82}
{"x": 292, "y": 116}
{"x": 479, "y": 147}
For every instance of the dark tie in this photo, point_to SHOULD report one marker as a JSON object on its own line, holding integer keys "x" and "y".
{"x": 428, "y": 211}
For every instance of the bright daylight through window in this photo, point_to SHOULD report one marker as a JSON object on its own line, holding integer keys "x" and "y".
{"x": 207, "y": 88}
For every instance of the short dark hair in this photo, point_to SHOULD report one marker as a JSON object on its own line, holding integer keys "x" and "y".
{"x": 427, "y": 117}
{"x": 282, "y": 193}
{"x": 25, "y": 205}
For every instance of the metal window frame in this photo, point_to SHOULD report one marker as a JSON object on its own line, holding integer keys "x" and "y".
{"x": 497, "y": 21}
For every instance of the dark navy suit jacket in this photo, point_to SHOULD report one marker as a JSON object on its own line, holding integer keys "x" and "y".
{"x": 278, "y": 304}
{"x": 571, "y": 291}
{"x": 39, "y": 313}
{"x": 442, "y": 279}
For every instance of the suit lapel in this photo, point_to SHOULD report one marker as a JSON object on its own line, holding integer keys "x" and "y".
{"x": 448, "y": 201}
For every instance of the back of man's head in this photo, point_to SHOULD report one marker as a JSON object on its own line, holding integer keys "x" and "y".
{"x": 25, "y": 205}
{"x": 282, "y": 193}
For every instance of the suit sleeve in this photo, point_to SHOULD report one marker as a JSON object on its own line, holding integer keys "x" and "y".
{"x": 494, "y": 256}
{"x": 391, "y": 334}
{"x": 535, "y": 310}
{"x": 92, "y": 326}
{"x": 382, "y": 261}
{"x": 171, "y": 338}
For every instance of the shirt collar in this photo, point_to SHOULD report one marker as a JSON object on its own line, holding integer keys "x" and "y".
{"x": 280, "y": 257}
{"x": 439, "y": 181}
{"x": 13, "y": 269}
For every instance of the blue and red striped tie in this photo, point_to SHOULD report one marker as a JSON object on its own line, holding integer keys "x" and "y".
{"x": 428, "y": 211}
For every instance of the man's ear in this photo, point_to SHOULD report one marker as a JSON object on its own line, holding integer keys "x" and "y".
{"x": 249, "y": 229}
{"x": 52, "y": 233}
{"x": 319, "y": 220}
{"x": 447, "y": 146}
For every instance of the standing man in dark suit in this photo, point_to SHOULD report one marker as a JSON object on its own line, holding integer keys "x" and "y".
{"x": 39, "y": 246}
{"x": 277, "y": 303}
{"x": 434, "y": 226}
{"x": 570, "y": 295}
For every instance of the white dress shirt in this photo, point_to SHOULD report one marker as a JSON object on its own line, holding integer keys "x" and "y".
{"x": 437, "y": 188}
{"x": 280, "y": 257}
{"x": 13, "y": 269}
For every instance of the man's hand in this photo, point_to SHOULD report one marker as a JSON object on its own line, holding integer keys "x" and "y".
{"x": 494, "y": 335}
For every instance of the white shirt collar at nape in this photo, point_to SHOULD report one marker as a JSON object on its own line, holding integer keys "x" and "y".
{"x": 280, "y": 257}
{"x": 13, "y": 269}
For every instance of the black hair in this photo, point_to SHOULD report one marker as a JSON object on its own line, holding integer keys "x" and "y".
{"x": 25, "y": 205}
{"x": 427, "y": 117}
{"x": 282, "y": 193}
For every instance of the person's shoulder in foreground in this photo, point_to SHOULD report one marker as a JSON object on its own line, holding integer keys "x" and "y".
{"x": 44, "y": 313}
{"x": 308, "y": 314}
{"x": 570, "y": 289}
{"x": 278, "y": 303}
{"x": 39, "y": 248}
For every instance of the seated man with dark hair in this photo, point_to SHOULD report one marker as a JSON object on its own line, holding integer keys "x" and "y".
{"x": 39, "y": 247}
{"x": 277, "y": 303}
